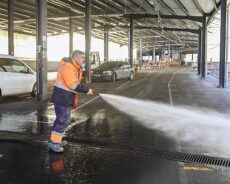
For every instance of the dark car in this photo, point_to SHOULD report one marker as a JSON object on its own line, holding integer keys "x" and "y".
{"x": 113, "y": 70}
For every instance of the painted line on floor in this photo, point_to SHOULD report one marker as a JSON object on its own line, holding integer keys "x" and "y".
{"x": 182, "y": 174}
{"x": 169, "y": 87}
{"x": 196, "y": 168}
{"x": 25, "y": 120}
{"x": 122, "y": 85}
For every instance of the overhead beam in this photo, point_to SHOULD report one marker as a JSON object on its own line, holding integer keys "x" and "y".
{"x": 144, "y": 5}
{"x": 199, "y": 7}
{"x": 134, "y": 16}
{"x": 130, "y": 6}
{"x": 142, "y": 16}
{"x": 214, "y": 11}
{"x": 182, "y": 6}
{"x": 171, "y": 10}
{"x": 56, "y": 17}
{"x": 167, "y": 6}
{"x": 112, "y": 6}
{"x": 196, "y": 31}
{"x": 68, "y": 5}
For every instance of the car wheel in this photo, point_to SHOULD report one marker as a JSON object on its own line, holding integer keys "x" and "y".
{"x": 34, "y": 91}
{"x": 131, "y": 76}
{"x": 114, "y": 77}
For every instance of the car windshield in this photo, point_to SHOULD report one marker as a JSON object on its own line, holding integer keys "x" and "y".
{"x": 109, "y": 65}
{"x": 6, "y": 65}
{"x": 12, "y": 65}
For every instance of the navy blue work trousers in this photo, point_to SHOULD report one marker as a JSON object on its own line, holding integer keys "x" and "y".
{"x": 63, "y": 118}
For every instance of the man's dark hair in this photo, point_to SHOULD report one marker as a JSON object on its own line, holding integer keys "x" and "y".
{"x": 76, "y": 52}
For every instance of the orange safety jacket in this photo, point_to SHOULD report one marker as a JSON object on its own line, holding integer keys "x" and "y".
{"x": 68, "y": 83}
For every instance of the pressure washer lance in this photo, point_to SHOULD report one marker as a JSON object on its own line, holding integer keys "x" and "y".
{"x": 74, "y": 121}
{"x": 94, "y": 94}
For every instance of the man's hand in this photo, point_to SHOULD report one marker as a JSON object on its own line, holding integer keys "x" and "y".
{"x": 90, "y": 92}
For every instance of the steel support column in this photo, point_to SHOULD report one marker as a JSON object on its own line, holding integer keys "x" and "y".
{"x": 88, "y": 41}
{"x": 227, "y": 47}
{"x": 106, "y": 43}
{"x": 169, "y": 51}
{"x": 222, "y": 44}
{"x": 204, "y": 49}
{"x": 199, "y": 54}
{"x": 10, "y": 27}
{"x": 140, "y": 50}
{"x": 128, "y": 44}
{"x": 131, "y": 43}
{"x": 154, "y": 53}
{"x": 70, "y": 35}
{"x": 41, "y": 60}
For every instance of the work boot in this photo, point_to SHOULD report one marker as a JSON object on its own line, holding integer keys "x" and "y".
{"x": 55, "y": 147}
{"x": 63, "y": 143}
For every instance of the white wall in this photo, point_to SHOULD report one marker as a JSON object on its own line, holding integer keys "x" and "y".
{"x": 213, "y": 40}
{"x": 188, "y": 58}
{"x": 213, "y": 45}
{"x": 58, "y": 46}
{"x": 3, "y": 42}
{"x": 24, "y": 45}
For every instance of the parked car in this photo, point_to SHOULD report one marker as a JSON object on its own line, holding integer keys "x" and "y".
{"x": 113, "y": 70}
{"x": 16, "y": 77}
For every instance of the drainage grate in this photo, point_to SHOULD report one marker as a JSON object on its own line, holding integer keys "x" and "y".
{"x": 184, "y": 157}
{"x": 139, "y": 151}
{"x": 146, "y": 152}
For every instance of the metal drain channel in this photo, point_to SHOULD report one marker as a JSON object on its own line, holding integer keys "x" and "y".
{"x": 146, "y": 152}
{"x": 182, "y": 157}
{"x": 139, "y": 151}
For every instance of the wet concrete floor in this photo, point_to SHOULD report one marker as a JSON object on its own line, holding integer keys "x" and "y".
{"x": 96, "y": 121}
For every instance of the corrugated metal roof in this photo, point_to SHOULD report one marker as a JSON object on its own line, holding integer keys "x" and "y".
{"x": 113, "y": 13}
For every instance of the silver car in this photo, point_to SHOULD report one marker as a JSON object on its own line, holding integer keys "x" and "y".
{"x": 113, "y": 70}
